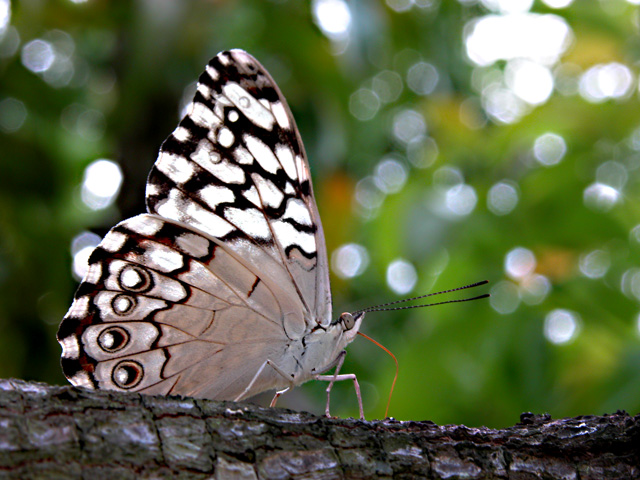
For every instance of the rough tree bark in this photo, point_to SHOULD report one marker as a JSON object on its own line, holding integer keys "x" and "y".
{"x": 63, "y": 432}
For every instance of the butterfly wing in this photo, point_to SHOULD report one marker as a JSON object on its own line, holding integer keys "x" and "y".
{"x": 227, "y": 269}
{"x": 235, "y": 169}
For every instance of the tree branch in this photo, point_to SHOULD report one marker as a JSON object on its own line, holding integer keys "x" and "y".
{"x": 64, "y": 432}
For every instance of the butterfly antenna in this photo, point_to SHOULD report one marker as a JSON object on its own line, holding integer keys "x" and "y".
{"x": 379, "y": 308}
{"x": 407, "y": 307}
{"x": 393, "y": 384}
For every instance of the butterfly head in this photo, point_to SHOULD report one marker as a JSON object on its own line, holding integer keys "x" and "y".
{"x": 350, "y": 323}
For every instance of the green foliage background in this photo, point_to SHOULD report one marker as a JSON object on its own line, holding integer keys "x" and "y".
{"x": 464, "y": 363}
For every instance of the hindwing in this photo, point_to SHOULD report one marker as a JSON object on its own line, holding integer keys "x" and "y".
{"x": 163, "y": 309}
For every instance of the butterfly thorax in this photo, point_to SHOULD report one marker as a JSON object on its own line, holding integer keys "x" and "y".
{"x": 322, "y": 345}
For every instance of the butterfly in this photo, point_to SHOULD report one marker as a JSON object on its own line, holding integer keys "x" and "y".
{"x": 221, "y": 290}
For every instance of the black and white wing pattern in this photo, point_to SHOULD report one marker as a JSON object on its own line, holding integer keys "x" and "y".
{"x": 228, "y": 269}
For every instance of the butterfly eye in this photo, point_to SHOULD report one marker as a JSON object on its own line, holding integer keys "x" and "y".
{"x": 348, "y": 320}
{"x": 113, "y": 339}
{"x": 127, "y": 374}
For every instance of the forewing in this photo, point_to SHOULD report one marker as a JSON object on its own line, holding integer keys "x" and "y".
{"x": 235, "y": 170}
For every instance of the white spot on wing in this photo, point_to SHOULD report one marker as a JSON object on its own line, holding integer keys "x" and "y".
{"x": 281, "y": 115}
{"x": 203, "y": 116}
{"x": 108, "y": 340}
{"x": 176, "y": 208}
{"x": 288, "y": 189}
{"x": 204, "y": 154}
{"x": 94, "y": 272}
{"x": 269, "y": 193}
{"x": 249, "y": 106}
{"x": 242, "y": 156}
{"x": 131, "y": 278}
{"x": 152, "y": 189}
{"x": 252, "y": 196}
{"x": 214, "y": 195}
{"x": 114, "y": 241}
{"x": 176, "y": 167}
{"x": 225, "y": 137}
{"x": 122, "y": 305}
{"x": 297, "y": 210}
{"x": 209, "y": 222}
{"x": 70, "y": 347}
{"x": 181, "y": 134}
{"x": 288, "y": 236}
{"x": 144, "y": 225}
{"x": 79, "y": 308}
{"x": 285, "y": 155}
{"x": 220, "y": 102}
{"x": 211, "y": 162}
{"x": 204, "y": 90}
{"x": 228, "y": 172}
{"x": 303, "y": 170}
{"x": 251, "y": 221}
{"x": 161, "y": 257}
{"x": 193, "y": 244}
{"x": 242, "y": 57}
{"x": 262, "y": 153}
{"x": 213, "y": 73}
{"x": 81, "y": 379}
{"x": 233, "y": 116}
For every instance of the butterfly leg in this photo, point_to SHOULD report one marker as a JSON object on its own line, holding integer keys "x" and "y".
{"x": 335, "y": 378}
{"x": 277, "y": 395}
{"x": 255, "y": 377}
